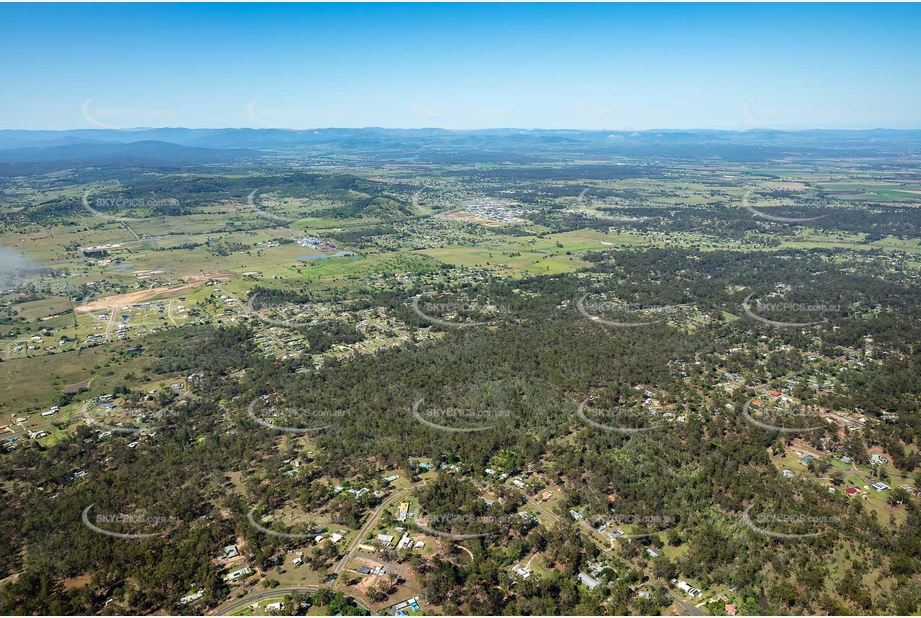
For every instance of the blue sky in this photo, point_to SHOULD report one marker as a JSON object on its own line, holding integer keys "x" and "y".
{"x": 456, "y": 66}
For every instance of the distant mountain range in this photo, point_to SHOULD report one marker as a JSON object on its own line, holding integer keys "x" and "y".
{"x": 30, "y": 152}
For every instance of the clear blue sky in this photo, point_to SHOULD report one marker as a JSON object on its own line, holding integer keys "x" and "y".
{"x": 461, "y": 66}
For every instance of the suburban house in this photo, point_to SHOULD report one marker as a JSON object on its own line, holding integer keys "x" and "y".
{"x": 589, "y": 581}
{"x": 688, "y": 589}
{"x": 385, "y": 539}
{"x": 192, "y": 597}
{"x": 237, "y": 574}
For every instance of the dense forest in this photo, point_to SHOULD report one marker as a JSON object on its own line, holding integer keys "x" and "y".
{"x": 535, "y": 360}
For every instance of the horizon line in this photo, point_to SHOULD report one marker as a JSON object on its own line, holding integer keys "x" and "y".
{"x": 450, "y": 130}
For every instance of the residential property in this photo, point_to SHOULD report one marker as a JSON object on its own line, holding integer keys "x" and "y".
{"x": 192, "y": 597}
{"x": 589, "y": 581}
{"x": 412, "y": 603}
{"x": 231, "y": 551}
{"x": 687, "y": 588}
{"x": 237, "y": 574}
{"x": 385, "y": 539}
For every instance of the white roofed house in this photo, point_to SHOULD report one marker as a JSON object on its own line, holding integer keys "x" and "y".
{"x": 687, "y": 588}
{"x": 589, "y": 581}
{"x": 237, "y": 574}
{"x": 192, "y": 597}
{"x": 385, "y": 539}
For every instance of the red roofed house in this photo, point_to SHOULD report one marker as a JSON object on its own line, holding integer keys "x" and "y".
{"x": 546, "y": 495}
{"x": 731, "y": 609}
{"x": 774, "y": 393}
{"x": 852, "y": 491}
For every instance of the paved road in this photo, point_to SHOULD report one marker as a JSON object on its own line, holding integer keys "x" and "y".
{"x": 231, "y": 606}
{"x": 340, "y": 567}
{"x": 690, "y": 609}
{"x": 556, "y": 518}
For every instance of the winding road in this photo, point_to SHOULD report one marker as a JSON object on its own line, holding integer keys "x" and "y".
{"x": 340, "y": 567}
{"x": 231, "y": 606}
